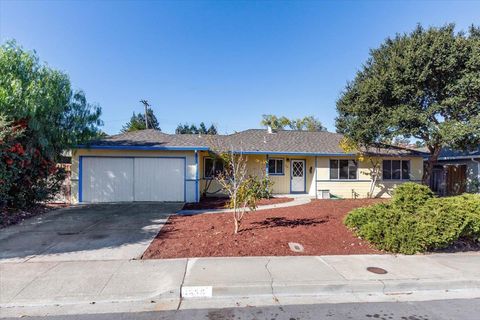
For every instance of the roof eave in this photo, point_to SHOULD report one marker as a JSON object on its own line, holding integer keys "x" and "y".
{"x": 147, "y": 148}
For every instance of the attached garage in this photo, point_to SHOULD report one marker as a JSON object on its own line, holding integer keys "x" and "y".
{"x": 123, "y": 179}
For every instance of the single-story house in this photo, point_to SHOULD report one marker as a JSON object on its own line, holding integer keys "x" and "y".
{"x": 456, "y": 172}
{"x": 149, "y": 165}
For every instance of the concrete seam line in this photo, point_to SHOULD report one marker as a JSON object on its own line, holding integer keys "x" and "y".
{"x": 35, "y": 278}
{"x": 111, "y": 276}
{"x": 181, "y": 284}
{"x": 383, "y": 285}
{"x": 271, "y": 280}
{"x": 331, "y": 267}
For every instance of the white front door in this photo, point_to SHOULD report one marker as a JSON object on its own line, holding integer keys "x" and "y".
{"x": 297, "y": 176}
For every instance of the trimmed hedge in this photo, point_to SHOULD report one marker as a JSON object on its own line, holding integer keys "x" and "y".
{"x": 414, "y": 221}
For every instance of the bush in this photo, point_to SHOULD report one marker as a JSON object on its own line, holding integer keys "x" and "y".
{"x": 27, "y": 175}
{"x": 410, "y": 196}
{"x": 435, "y": 223}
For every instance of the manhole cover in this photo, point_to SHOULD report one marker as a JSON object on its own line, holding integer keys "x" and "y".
{"x": 377, "y": 270}
{"x": 296, "y": 247}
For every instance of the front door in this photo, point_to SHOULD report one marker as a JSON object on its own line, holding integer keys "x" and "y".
{"x": 297, "y": 176}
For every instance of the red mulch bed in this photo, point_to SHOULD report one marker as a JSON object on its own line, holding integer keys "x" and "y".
{"x": 318, "y": 226}
{"x": 222, "y": 203}
{"x": 10, "y": 217}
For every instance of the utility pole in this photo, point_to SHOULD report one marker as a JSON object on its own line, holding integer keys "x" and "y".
{"x": 146, "y": 105}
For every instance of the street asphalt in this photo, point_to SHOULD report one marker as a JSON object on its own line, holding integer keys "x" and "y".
{"x": 468, "y": 309}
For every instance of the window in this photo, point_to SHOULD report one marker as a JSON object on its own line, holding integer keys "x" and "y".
{"x": 343, "y": 169}
{"x": 275, "y": 166}
{"x": 396, "y": 170}
{"x": 212, "y": 167}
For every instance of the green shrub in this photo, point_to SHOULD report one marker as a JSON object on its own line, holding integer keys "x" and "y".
{"x": 435, "y": 224}
{"x": 410, "y": 196}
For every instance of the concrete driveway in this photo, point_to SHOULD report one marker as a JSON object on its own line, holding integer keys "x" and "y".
{"x": 91, "y": 232}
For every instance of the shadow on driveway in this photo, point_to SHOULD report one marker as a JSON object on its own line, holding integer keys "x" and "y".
{"x": 90, "y": 232}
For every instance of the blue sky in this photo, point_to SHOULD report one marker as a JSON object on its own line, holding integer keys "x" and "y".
{"x": 224, "y": 62}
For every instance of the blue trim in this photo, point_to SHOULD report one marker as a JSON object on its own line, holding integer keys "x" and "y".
{"x": 80, "y": 185}
{"x": 80, "y": 168}
{"x": 142, "y": 148}
{"x": 193, "y": 148}
{"x": 297, "y": 153}
{"x": 196, "y": 177}
{"x": 304, "y": 176}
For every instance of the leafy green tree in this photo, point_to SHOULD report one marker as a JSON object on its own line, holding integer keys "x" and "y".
{"x": 193, "y": 129}
{"x": 424, "y": 84}
{"x": 137, "y": 122}
{"x": 41, "y": 116}
{"x": 308, "y": 123}
{"x": 274, "y": 122}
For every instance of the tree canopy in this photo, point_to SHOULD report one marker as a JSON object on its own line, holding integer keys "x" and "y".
{"x": 137, "y": 122}
{"x": 57, "y": 116}
{"x": 40, "y": 118}
{"x": 308, "y": 123}
{"x": 193, "y": 129}
{"x": 424, "y": 84}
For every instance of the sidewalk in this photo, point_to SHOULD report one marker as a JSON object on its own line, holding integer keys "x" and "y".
{"x": 297, "y": 201}
{"x": 38, "y": 288}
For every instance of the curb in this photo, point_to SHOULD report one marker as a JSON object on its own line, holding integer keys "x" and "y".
{"x": 332, "y": 288}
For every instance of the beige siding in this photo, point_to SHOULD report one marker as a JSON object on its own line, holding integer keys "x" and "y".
{"x": 189, "y": 155}
{"x": 342, "y": 188}
{"x": 361, "y": 187}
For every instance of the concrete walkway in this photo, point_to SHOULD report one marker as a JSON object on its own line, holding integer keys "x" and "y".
{"x": 297, "y": 201}
{"x": 39, "y": 288}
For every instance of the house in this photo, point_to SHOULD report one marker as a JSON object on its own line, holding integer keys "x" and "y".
{"x": 456, "y": 172}
{"x": 149, "y": 165}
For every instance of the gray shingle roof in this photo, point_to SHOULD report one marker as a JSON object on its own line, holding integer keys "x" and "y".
{"x": 447, "y": 153}
{"x": 248, "y": 141}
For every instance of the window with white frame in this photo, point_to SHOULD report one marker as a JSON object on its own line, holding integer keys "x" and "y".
{"x": 275, "y": 166}
{"x": 396, "y": 170}
{"x": 343, "y": 169}
{"x": 212, "y": 167}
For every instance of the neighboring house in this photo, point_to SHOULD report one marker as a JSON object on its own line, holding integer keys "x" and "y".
{"x": 149, "y": 165}
{"x": 456, "y": 172}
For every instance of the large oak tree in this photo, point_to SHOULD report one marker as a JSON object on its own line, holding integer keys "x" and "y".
{"x": 424, "y": 84}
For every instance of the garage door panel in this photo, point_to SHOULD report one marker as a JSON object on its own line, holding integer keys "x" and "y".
{"x": 107, "y": 179}
{"x": 159, "y": 179}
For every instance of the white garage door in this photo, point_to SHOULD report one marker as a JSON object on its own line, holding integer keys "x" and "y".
{"x": 132, "y": 179}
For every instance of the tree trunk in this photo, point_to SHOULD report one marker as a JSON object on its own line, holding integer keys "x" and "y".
{"x": 432, "y": 160}
{"x": 237, "y": 225}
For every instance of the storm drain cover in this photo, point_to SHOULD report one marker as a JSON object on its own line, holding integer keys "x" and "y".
{"x": 377, "y": 270}
{"x": 296, "y": 247}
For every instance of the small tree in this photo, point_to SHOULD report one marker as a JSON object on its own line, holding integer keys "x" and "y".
{"x": 137, "y": 122}
{"x": 238, "y": 185}
{"x": 364, "y": 154}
